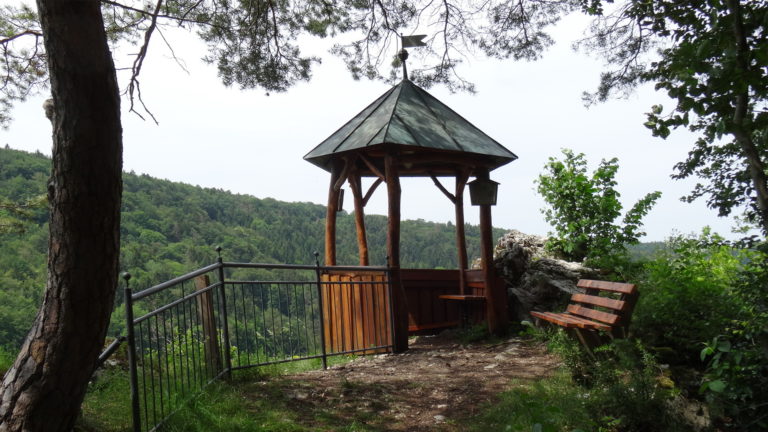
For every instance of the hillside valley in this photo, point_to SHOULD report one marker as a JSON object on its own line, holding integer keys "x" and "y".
{"x": 170, "y": 228}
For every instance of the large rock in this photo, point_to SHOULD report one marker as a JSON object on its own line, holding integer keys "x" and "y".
{"x": 535, "y": 281}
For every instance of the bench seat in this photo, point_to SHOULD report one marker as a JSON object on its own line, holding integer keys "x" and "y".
{"x": 604, "y": 307}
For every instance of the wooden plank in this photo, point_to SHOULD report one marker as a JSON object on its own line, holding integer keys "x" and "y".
{"x": 208, "y": 320}
{"x": 358, "y": 321}
{"x": 597, "y": 315}
{"x": 387, "y": 300}
{"x": 434, "y": 325}
{"x": 623, "y": 288}
{"x": 325, "y": 313}
{"x": 605, "y": 302}
{"x": 339, "y": 303}
{"x": 429, "y": 275}
{"x": 460, "y": 297}
{"x": 439, "y": 309}
{"x": 369, "y": 319}
{"x": 425, "y": 307}
{"x": 570, "y": 321}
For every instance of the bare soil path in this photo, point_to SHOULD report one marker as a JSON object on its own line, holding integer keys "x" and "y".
{"x": 433, "y": 386}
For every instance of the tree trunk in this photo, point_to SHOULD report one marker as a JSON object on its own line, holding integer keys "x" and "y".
{"x": 742, "y": 133}
{"x": 45, "y": 387}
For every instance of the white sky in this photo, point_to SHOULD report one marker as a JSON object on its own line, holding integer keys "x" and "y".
{"x": 251, "y": 143}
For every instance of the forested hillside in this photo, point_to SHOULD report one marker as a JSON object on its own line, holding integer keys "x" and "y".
{"x": 171, "y": 228}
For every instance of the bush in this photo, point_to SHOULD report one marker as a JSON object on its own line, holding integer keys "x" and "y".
{"x": 687, "y": 296}
{"x": 622, "y": 385}
{"x": 736, "y": 379}
{"x": 585, "y": 210}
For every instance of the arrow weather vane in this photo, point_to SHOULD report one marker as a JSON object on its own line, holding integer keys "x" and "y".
{"x": 412, "y": 41}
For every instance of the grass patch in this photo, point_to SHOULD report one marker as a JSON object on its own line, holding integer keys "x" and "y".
{"x": 254, "y": 400}
{"x": 553, "y": 404}
{"x": 107, "y": 404}
{"x": 276, "y": 404}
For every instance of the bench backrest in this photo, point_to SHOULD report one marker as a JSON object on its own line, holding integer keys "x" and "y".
{"x": 608, "y": 302}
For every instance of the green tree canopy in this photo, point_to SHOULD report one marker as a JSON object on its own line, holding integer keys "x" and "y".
{"x": 711, "y": 57}
{"x": 584, "y": 209}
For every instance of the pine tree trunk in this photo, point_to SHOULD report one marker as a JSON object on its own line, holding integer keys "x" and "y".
{"x": 45, "y": 387}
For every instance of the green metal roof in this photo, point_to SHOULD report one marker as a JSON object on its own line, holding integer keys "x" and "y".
{"x": 407, "y": 115}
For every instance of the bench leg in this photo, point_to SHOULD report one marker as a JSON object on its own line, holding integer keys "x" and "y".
{"x": 589, "y": 339}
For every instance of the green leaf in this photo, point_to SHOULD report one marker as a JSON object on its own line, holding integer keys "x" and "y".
{"x": 716, "y": 386}
{"x": 724, "y": 346}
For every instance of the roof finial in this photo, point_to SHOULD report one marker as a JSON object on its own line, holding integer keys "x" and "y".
{"x": 412, "y": 41}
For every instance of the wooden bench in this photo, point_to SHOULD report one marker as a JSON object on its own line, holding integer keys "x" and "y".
{"x": 604, "y": 309}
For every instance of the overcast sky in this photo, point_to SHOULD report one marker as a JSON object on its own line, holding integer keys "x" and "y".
{"x": 250, "y": 143}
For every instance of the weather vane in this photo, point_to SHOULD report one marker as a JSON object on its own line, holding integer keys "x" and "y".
{"x": 412, "y": 41}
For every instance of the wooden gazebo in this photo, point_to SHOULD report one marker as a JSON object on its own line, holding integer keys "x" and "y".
{"x": 408, "y": 132}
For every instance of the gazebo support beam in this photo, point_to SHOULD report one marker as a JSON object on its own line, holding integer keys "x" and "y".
{"x": 495, "y": 295}
{"x": 330, "y": 217}
{"x": 399, "y": 302}
{"x": 362, "y": 241}
{"x": 371, "y": 190}
{"x": 461, "y": 239}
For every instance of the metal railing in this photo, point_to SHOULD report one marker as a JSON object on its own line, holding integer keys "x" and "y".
{"x": 190, "y": 331}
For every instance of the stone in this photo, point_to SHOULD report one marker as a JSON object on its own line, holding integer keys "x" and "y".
{"x": 535, "y": 280}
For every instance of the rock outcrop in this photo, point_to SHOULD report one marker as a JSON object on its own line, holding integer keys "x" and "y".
{"x": 535, "y": 280}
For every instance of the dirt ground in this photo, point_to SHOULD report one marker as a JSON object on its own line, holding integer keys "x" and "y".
{"x": 432, "y": 387}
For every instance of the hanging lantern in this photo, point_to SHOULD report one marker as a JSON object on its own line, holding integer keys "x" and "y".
{"x": 482, "y": 191}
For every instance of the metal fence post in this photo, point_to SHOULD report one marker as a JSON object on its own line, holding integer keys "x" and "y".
{"x": 322, "y": 310}
{"x": 134, "y": 376}
{"x": 227, "y": 347}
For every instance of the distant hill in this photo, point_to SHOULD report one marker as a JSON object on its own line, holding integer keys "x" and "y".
{"x": 170, "y": 228}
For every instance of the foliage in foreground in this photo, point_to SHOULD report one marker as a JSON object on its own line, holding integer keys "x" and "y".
{"x": 687, "y": 295}
{"x": 703, "y": 309}
{"x": 584, "y": 209}
{"x": 736, "y": 379}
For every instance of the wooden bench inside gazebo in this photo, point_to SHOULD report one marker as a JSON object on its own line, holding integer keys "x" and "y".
{"x": 407, "y": 132}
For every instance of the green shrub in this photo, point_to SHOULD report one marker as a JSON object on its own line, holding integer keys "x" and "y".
{"x": 585, "y": 209}
{"x": 627, "y": 388}
{"x": 736, "y": 379}
{"x": 621, "y": 385}
{"x": 686, "y": 296}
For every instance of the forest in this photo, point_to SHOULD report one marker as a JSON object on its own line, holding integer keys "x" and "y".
{"x": 170, "y": 228}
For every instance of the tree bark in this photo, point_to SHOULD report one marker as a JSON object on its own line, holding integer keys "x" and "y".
{"x": 495, "y": 295}
{"x": 461, "y": 238}
{"x": 330, "y": 217}
{"x": 399, "y": 300}
{"x": 741, "y": 132}
{"x": 45, "y": 387}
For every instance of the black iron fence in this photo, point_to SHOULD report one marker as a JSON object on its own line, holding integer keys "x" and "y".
{"x": 190, "y": 331}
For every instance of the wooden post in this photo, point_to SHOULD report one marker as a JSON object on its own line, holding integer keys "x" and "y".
{"x": 461, "y": 239}
{"x": 400, "y": 307}
{"x": 496, "y": 298}
{"x": 330, "y": 217}
{"x": 362, "y": 241}
{"x": 208, "y": 320}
